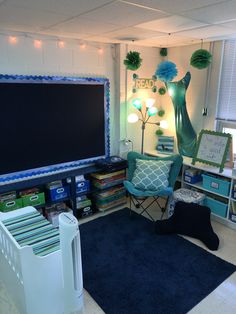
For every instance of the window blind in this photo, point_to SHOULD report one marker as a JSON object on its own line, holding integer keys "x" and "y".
{"x": 226, "y": 107}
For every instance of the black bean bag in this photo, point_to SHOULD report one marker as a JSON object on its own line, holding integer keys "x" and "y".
{"x": 192, "y": 220}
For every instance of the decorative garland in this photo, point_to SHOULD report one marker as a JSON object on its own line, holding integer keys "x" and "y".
{"x": 133, "y": 60}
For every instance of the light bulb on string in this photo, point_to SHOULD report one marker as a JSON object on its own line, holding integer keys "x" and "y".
{"x": 38, "y": 43}
{"x": 13, "y": 40}
{"x": 100, "y": 51}
{"x": 61, "y": 44}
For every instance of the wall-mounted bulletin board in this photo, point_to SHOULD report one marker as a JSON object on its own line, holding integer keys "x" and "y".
{"x": 212, "y": 148}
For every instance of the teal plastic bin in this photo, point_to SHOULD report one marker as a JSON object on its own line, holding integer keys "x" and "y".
{"x": 216, "y": 185}
{"x": 217, "y": 207}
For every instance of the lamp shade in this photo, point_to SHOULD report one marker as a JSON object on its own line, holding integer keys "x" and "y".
{"x": 150, "y": 102}
{"x": 152, "y": 111}
{"x": 132, "y": 118}
{"x": 137, "y": 103}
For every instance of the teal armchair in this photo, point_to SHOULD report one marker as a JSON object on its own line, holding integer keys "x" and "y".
{"x": 138, "y": 196}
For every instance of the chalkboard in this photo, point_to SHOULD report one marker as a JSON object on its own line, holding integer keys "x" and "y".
{"x": 212, "y": 148}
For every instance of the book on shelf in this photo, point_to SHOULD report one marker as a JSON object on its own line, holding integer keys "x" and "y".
{"x": 104, "y": 175}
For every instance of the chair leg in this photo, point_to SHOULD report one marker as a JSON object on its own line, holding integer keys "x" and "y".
{"x": 163, "y": 209}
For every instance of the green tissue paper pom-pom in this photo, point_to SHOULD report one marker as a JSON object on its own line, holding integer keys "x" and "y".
{"x": 161, "y": 113}
{"x": 133, "y": 60}
{"x": 201, "y": 59}
{"x": 154, "y": 89}
{"x": 163, "y": 52}
{"x": 159, "y": 132}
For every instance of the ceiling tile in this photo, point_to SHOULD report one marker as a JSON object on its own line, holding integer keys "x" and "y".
{"x": 11, "y": 15}
{"x": 171, "y": 24}
{"x": 207, "y": 32}
{"x": 102, "y": 39}
{"x": 83, "y": 25}
{"x": 174, "y": 6}
{"x": 231, "y": 24}
{"x": 124, "y": 14}
{"x": 132, "y": 34}
{"x": 218, "y": 13}
{"x": 166, "y": 41}
{"x": 68, "y": 7}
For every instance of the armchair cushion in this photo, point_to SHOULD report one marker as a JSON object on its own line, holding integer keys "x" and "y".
{"x": 151, "y": 175}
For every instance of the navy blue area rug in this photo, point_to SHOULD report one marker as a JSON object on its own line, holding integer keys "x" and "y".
{"x": 128, "y": 269}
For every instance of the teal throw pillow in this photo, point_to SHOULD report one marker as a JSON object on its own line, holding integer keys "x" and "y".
{"x": 151, "y": 175}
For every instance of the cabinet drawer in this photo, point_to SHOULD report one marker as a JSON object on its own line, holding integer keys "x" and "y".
{"x": 216, "y": 185}
{"x": 217, "y": 207}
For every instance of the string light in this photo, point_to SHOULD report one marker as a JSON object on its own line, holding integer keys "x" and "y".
{"x": 37, "y": 43}
{"x": 13, "y": 40}
{"x": 82, "y": 46}
{"x": 100, "y": 51}
{"x": 61, "y": 44}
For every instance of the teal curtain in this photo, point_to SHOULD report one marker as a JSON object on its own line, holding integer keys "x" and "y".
{"x": 186, "y": 136}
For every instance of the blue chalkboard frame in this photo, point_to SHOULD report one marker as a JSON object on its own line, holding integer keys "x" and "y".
{"x": 221, "y": 164}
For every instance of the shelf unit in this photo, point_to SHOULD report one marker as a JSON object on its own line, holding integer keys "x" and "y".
{"x": 43, "y": 180}
{"x": 225, "y": 175}
{"x": 71, "y": 175}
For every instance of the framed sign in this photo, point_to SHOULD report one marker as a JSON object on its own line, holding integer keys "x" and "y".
{"x": 212, "y": 148}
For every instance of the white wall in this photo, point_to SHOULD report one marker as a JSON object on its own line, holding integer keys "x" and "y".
{"x": 150, "y": 59}
{"x": 24, "y": 58}
{"x": 196, "y": 96}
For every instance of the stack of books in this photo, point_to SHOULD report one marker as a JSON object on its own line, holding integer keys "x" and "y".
{"x": 110, "y": 191}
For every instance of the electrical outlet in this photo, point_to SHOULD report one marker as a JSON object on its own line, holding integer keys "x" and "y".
{"x": 204, "y": 111}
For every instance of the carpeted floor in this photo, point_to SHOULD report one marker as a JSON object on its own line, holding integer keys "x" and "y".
{"x": 127, "y": 268}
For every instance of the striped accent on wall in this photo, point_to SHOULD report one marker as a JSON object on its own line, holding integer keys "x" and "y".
{"x": 165, "y": 144}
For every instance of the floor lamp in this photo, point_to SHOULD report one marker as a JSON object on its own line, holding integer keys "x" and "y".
{"x": 146, "y": 114}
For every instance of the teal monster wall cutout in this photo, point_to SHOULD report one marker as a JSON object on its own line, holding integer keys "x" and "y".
{"x": 186, "y": 136}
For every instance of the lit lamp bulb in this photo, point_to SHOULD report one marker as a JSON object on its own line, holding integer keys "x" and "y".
{"x": 152, "y": 111}
{"x": 164, "y": 124}
{"x": 170, "y": 91}
{"x": 137, "y": 103}
{"x": 150, "y": 102}
{"x": 132, "y": 118}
